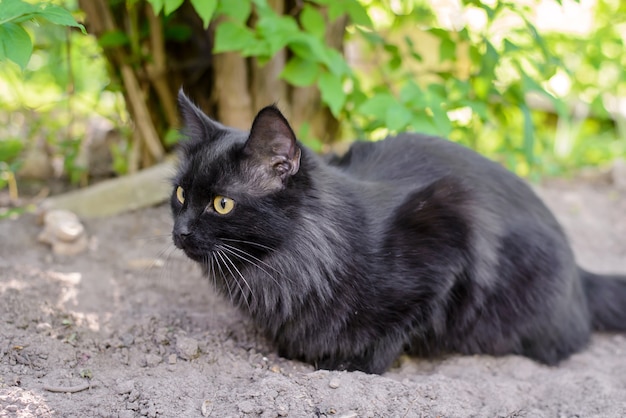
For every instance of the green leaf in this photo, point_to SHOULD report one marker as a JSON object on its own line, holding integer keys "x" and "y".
{"x": 332, "y": 92}
{"x": 259, "y": 49}
{"x": 312, "y": 21}
{"x": 308, "y": 46}
{"x": 510, "y": 47}
{"x": 170, "y": 6}
{"x": 278, "y": 31}
{"x": 397, "y": 117}
{"x": 413, "y": 95}
{"x": 238, "y": 10}
{"x": 478, "y": 107}
{"x": 12, "y": 10}
{"x": 205, "y": 9}
{"x": 422, "y": 123}
{"x": 17, "y": 11}
{"x": 447, "y": 50}
{"x": 177, "y": 32}
{"x": 231, "y": 36}
{"x": 157, "y": 6}
{"x": 489, "y": 61}
{"x": 60, "y": 16}
{"x": 358, "y": 14}
{"x": 371, "y": 36}
{"x": 307, "y": 138}
{"x": 441, "y": 119}
{"x": 172, "y": 137}
{"x": 336, "y": 62}
{"x": 15, "y": 44}
{"x": 396, "y": 56}
{"x": 113, "y": 38}
{"x": 481, "y": 87}
{"x": 300, "y": 72}
{"x": 10, "y": 149}
{"x": 377, "y": 105}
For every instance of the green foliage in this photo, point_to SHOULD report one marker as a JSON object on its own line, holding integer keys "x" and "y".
{"x": 489, "y": 86}
{"x": 312, "y": 61}
{"x": 48, "y": 104}
{"x": 15, "y": 43}
{"x": 477, "y": 84}
{"x": 17, "y": 46}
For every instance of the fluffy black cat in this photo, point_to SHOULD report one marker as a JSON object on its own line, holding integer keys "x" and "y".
{"x": 412, "y": 244}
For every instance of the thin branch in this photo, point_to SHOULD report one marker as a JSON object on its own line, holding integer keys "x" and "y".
{"x": 68, "y": 389}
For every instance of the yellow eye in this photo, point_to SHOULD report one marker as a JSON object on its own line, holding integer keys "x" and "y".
{"x": 180, "y": 194}
{"x": 223, "y": 205}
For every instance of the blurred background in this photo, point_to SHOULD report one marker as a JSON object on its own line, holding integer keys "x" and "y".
{"x": 88, "y": 88}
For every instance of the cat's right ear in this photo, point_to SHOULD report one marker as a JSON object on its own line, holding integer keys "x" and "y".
{"x": 197, "y": 124}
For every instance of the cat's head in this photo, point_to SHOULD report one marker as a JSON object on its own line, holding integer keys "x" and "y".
{"x": 235, "y": 195}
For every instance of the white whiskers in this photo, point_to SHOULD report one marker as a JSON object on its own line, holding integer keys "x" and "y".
{"x": 224, "y": 261}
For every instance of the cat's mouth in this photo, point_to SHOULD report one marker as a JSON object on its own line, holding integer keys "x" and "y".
{"x": 191, "y": 252}
{"x": 195, "y": 255}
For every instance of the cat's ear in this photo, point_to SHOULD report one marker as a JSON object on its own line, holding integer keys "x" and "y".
{"x": 197, "y": 124}
{"x": 273, "y": 142}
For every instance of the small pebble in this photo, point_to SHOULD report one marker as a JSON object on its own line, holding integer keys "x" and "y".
{"x": 171, "y": 359}
{"x": 64, "y": 232}
{"x": 275, "y": 369}
{"x": 334, "y": 383}
{"x": 127, "y": 340}
{"x": 125, "y": 387}
{"x": 43, "y": 326}
{"x": 133, "y": 396}
{"x": 153, "y": 360}
{"x": 349, "y": 414}
{"x": 187, "y": 348}
{"x": 246, "y": 407}
{"x": 160, "y": 336}
{"x": 206, "y": 408}
{"x": 152, "y": 411}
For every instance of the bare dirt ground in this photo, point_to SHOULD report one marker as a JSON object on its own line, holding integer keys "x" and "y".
{"x": 135, "y": 322}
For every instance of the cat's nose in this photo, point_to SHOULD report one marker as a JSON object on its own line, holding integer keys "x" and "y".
{"x": 180, "y": 235}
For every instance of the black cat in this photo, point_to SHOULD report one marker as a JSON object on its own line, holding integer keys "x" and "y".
{"x": 412, "y": 244}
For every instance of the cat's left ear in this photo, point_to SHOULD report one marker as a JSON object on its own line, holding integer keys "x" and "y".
{"x": 197, "y": 124}
{"x": 272, "y": 141}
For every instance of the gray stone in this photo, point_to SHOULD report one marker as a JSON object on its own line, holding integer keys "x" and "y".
{"x": 145, "y": 188}
{"x": 153, "y": 360}
{"x": 64, "y": 232}
{"x": 125, "y": 387}
{"x": 187, "y": 348}
{"x": 246, "y": 407}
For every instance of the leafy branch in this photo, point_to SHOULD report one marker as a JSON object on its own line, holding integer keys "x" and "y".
{"x": 15, "y": 43}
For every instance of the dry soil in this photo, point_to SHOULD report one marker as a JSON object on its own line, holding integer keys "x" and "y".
{"x": 130, "y": 328}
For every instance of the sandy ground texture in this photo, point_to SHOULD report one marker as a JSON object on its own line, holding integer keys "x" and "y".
{"x": 130, "y": 329}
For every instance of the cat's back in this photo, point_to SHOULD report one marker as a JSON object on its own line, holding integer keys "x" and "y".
{"x": 409, "y": 162}
{"x": 414, "y": 157}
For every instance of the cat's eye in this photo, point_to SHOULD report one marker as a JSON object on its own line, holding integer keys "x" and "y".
{"x": 180, "y": 194}
{"x": 223, "y": 205}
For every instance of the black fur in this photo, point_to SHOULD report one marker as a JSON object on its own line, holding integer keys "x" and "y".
{"x": 412, "y": 244}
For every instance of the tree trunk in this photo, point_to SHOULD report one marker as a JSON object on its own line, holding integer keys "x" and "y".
{"x": 234, "y": 100}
